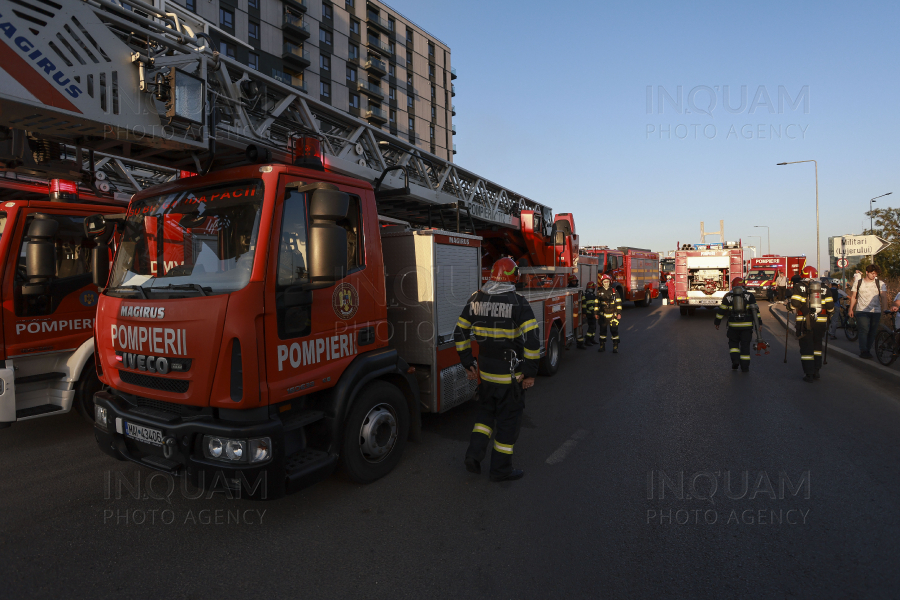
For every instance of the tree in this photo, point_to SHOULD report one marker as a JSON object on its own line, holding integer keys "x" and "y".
{"x": 887, "y": 226}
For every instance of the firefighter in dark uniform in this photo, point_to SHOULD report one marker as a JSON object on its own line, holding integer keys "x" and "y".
{"x": 506, "y": 330}
{"x": 609, "y": 310}
{"x": 589, "y": 314}
{"x": 812, "y": 308}
{"x": 740, "y": 307}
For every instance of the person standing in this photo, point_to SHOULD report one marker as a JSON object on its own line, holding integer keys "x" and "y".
{"x": 507, "y": 334}
{"x": 609, "y": 307}
{"x": 813, "y": 309}
{"x": 741, "y": 308}
{"x": 867, "y": 297}
{"x": 589, "y": 314}
{"x": 780, "y": 285}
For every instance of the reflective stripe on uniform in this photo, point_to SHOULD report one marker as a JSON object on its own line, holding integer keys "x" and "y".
{"x": 745, "y": 357}
{"x": 460, "y": 346}
{"x": 496, "y": 332}
{"x": 817, "y": 352}
{"x": 734, "y": 350}
{"x": 527, "y": 326}
{"x": 495, "y": 378}
{"x": 463, "y": 323}
{"x": 504, "y": 448}
{"x": 807, "y": 357}
{"x": 740, "y": 324}
{"x": 798, "y": 298}
{"x": 482, "y": 428}
{"x": 724, "y": 307}
{"x": 532, "y": 353}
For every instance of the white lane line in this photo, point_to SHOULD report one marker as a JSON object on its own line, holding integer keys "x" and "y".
{"x": 560, "y": 454}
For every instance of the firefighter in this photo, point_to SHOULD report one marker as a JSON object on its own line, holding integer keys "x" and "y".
{"x": 813, "y": 308}
{"x": 507, "y": 334}
{"x": 609, "y": 311}
{"x": 740, "y": 306}
{"x": 589, "y": 314}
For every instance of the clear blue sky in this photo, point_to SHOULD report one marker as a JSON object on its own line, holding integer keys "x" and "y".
{"x": 552, "y": 103}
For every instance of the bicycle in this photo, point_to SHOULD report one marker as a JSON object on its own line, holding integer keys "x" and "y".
{"x": 887, "y": 341}
{"x": 851, "y": 330}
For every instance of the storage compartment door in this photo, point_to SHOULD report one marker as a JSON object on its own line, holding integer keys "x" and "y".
{"x": 456, "y": 278}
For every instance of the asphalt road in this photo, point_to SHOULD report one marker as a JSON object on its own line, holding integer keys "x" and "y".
{"x": 599, "y": 514}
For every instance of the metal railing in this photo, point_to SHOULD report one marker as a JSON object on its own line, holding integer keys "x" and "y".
{"x": 376, "y": 43}
{"x": 289, "y": 48}
{"x": 295, "y": 21}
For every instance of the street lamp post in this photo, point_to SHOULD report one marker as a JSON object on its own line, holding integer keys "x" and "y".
{"x": 818, "y": 255}
{"x": 768, "y": 239}
{"x": 871, "y": 231}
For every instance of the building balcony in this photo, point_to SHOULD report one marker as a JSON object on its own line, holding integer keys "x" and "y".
{"x": 378, "y": 23}
{"x": 376, "y": 115}
{"x": 298, "y": 83}
{"x": 452, "y": 74}
{"x": 376, "y": 67}
{"x": 453, "y": 110}
{"x": 295, "y": 56}
{"x": 454, "y": 148}
{"x": 453, "y": 129}
{"x": 370, "y": 89}
{"x": 295, "y": 26}
{"x": 377, "y": 45}
{"x": 452, "y": 90}
{"x": 299, "y": 5}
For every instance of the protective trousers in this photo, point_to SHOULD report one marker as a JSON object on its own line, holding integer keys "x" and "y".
{"x": 591, "y": 328}
{"x": 739, "y": 346}
{"x": 811, "y": 348}
{"x": 613, "y": 323}
{"x": 499, "y": 414}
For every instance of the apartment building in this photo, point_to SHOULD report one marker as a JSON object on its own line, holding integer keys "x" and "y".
{"x": 360, "y": 56}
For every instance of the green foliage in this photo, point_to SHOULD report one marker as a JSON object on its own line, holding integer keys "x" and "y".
{"x": 887, "y": 225}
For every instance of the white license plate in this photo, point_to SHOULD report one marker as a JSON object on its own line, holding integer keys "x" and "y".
{"x": 143, "y": 434}
{"x": 705, "y": 302}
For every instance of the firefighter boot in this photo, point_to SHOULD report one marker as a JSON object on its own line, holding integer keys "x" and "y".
{"x": 615, "y": 348}
{"x": 808, "y": 378}
{"x": 472, "y": 465}
{"x": 816, "y": 375}
{"x": 602, "y": 347}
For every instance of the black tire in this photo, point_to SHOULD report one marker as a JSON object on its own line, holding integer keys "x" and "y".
{"x": 375, "y": 432}
{"x": 550, "y": 361}
{"x": 88, "y": 385}
{"x": 649, "y": 299}
{"x": 884, "y": 348}
{"x": 851, "y": 331}
{"x": 684, "y": 310}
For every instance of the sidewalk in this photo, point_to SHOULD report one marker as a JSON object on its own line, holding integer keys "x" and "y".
{"x": 841, "y": 348}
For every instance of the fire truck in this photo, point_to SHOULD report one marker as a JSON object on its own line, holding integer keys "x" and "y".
{"x": 703, "y": 274}
{"x": 762, "y": 271}
{"x": 634, "y": 271}
{"x": 292, "y": 306}
{"x": 666, "y": 271}
{"x": 48, "y": 314}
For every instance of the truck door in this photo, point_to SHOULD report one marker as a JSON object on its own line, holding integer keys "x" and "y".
{"x": 312, "y": 334}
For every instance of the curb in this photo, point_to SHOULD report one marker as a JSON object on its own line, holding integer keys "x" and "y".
{"x": 842, "y": 354}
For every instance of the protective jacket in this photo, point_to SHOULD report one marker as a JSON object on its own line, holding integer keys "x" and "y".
{"x": 805, "y": 314}
{"x": 501, "y": 321}
{"x": 742, "y": 319}
{"x": 589, "y": 303}
{"x": 608, "y": 302}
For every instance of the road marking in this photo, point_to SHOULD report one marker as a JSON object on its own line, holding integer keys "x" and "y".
{"x": 560, "y": 454}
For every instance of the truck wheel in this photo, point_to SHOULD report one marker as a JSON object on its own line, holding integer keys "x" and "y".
{"x": 375, "y": 432}
{"x": 550, "y": 361}
{"x": 648, "y": 297}
{"x": 683, "y": 310}
{"x": 85, "y": 388}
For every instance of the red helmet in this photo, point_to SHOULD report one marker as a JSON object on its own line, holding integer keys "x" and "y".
{"x": 590, "y": 285}
{"x": 504, "y": 270}
{"x": 737, "y": 281}
{"x": 606, "y": 277}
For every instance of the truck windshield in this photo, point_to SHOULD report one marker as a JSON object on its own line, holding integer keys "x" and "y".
{"x": 762, "y": 275}
{"x": 197, "y": 241}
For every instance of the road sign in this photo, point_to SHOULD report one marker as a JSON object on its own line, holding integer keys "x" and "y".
{"x": 842, "y": 262}
{"x": 860, "y": 245}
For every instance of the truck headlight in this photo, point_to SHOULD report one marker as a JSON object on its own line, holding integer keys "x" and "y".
{"x": 214, "y": 447}
{"x": 227, "y": 450}
{"x": 234, "y": 449}
{"x": 260, "y": 450}
{"x": 100, "y": 416}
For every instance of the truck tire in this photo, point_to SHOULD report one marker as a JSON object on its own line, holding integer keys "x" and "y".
{"x": 85, "y": 388}
{"x": 375, "y": 432}
{"x": 550, "y": 362}
{"x": 648, "y": 297}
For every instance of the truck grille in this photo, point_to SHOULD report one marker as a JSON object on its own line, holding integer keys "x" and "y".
{"x": 175, "y": 386}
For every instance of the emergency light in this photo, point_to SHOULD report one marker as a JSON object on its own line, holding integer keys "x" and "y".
{"x": 63, "y": 190}
{"x": 308, "y": 154}
{"x": 182, "y": 174}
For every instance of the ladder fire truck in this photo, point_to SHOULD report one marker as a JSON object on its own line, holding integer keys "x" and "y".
{"x": 292, "y": 306}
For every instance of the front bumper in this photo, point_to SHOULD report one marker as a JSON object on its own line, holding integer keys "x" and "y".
{"x": 185, "y": 454}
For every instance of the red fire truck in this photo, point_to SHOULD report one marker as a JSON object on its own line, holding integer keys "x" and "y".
{"x": 48, "y": 312}
{"x": 666, "y": 274}
{"x": 634, "y": 271}
{"x": 703, "y": 274}
{"x": 762, "y": 271}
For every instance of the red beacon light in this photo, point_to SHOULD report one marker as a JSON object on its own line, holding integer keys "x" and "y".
{"x": 63, "y": 190}
{"x": 308, "y": 154}
{"x": 182, "y": 174}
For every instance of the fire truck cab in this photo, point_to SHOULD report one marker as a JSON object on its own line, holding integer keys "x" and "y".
{"x": 634, "y": 271}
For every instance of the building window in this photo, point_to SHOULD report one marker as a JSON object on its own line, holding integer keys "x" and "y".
{"x": 391, "y": 69}
{"x": 351, "y": 74}
{"x": 432, "y": 92}
{"x": 409, "y": 36}
{"x": 409, "y": 60}
{"x": 353, "y": 51}
{"x": 191, "y": 5}
{"x": 254, "y": 4}
{"x": 391, "y": 24}
{"x": 327, "y": 12}
{"x": 348, "y": 3}
{"x": 392, "y": 94}
{"x": 226, "y": 49}
{"x": 393, "y": 115}
{"x": 324, "y": 62}
{"x": 253, "y": 61}
{"x": 412, "y": 124}
{"x": 253, "y": 31}
{"x": 433, "y": 113}
{"x": 431, "y": 72}
{"x": 409, "y": 79}
{"x": 371, "y": 13}
{"x": 409, "y": 101}
{"x": 354, "y": 100}
{"x": 431, "y": 49}
{"x": 354, "y": 26}
{"x": 325, "y": 36}
{"x": 324, "y": 89}
{"x": 226, "y": 18}
{"x": 392, "y": 48}
{"x": 431, "y": 132}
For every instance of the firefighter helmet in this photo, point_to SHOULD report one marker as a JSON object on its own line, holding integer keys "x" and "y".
{"x": 606, "y": 277}
{"x": 590, "y": 285}
{"x": 504, "y": 270}
{"x": 737, "y": 281}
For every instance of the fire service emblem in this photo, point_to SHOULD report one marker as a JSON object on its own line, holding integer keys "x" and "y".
{"x": 710, "y": 288}
{"x": 345, "y": 301}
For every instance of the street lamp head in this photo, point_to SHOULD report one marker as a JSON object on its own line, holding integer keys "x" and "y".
{"x": 889, "y": 193}
{"x": 779, "y": 164}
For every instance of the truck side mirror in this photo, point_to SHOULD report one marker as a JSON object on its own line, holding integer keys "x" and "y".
{"x": 327, "y": 239}
{"x": 97, "y": 229}
{"x": 40, "y": 255}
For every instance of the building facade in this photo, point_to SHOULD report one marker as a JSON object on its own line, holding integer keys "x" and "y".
{"x": 360, "y": 56}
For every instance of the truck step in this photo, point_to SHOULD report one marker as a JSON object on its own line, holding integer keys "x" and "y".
{"x": 301, "y": 418}
{"x": 306, "y": 467}
{"x": 39, "y": 377}
{"x": 34, "y": 411}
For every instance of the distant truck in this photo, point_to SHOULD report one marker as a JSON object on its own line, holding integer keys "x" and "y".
{"x": 762, "y": 271}
{"x": 703, "y": 274}
{"x": 634, "y": 271}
